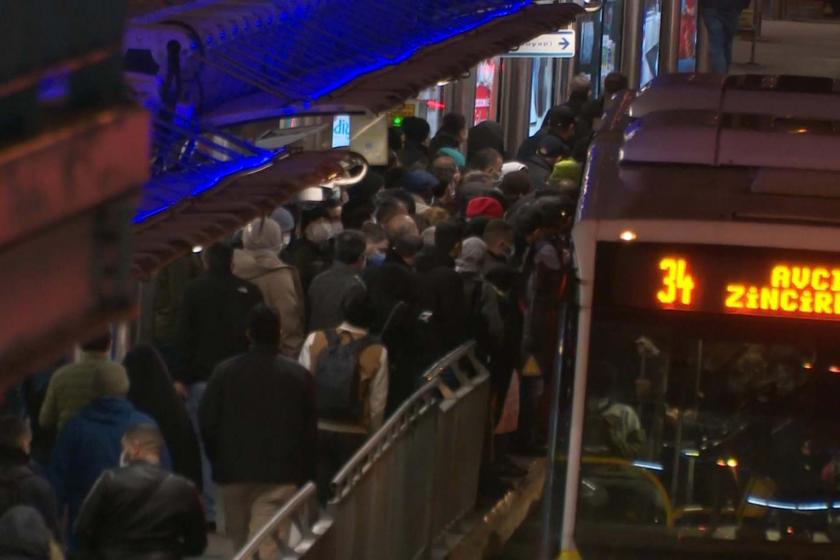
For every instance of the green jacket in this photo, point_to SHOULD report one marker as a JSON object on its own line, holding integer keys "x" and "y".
{"x": 75, "y": 385}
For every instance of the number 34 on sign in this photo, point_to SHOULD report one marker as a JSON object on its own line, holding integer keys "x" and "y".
{"x": 678, "y": 285}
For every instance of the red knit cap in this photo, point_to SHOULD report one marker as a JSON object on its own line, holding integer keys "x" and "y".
{"x": 485, "y": 206}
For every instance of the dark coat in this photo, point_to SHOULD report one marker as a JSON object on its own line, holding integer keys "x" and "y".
{"x": 395, "y": 296}
{"x": 151, "y": 392}
{"x": 539, "y": 171}
{"x": 211, "y": 325}
{"x": 28, "y": 488}
{"x": 441, "y": 291}
{"x": 414, "y": 153}
{"x": 259, "y": 421}
{"x": 23, "y": 535}
{"x": 90, "y": 443}
{"x": 310, "y": 259}
{"x": 486, "y": 134}
{"x": 326, "y": 293}
{"x": 500, "y": 334}
{"x": 530, "y": 145}
{"x": 443, "y": 139}
{"x": 142, "y": 512}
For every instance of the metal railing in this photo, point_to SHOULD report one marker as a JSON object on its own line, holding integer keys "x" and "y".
{"x": 411, "y": 480}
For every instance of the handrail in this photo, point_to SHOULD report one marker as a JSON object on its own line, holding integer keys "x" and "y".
{"x": 322, "y": 533}
{"x": 303, "y": 503}
{"x": 416, "y": 405}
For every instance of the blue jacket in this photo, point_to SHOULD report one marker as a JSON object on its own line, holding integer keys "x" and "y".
{"x": 88, "y": 444}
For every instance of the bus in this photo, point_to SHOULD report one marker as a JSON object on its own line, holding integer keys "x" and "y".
{"x": 705, "y": 410}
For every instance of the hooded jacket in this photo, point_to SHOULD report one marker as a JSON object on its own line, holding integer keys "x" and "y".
{"x": 211, "y": 324}
{"x": 90, "y": 443}
{"x": 75, "y": 385}
{"x": 280, "y": 287}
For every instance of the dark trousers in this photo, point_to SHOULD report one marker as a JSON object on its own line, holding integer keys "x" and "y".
{"x": 334, "y": 450}
{"x": 722, "y": 26}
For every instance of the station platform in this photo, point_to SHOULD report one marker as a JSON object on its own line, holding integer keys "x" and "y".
{"x": 808, "y": 46}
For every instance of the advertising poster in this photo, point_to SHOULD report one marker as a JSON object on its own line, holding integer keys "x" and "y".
{"x": 687, "y": 60}
{"x": 485, "y": 83}
{"x": 650, "y": 41}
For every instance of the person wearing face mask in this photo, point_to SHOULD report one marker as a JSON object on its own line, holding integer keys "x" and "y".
{"x": 287, "y": 223}
{"x": 499, "y": 239}
{"x": 311, "y": 253}
{"x": 277, "y": 281}
{"x": 140, "y": 510}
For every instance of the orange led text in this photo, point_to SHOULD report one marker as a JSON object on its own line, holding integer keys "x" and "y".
{"x": 677, "y": 284}
{"x": 808, "y": 290}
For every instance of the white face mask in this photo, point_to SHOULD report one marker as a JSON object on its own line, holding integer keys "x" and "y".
{"x": 123, "y": 459}
{"x": 287, "y": 238}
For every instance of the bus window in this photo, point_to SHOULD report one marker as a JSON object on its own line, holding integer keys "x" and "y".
{"x": 710, "y": 425}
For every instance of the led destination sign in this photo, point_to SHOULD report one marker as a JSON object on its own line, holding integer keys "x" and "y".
{"x": 728, "y": 280}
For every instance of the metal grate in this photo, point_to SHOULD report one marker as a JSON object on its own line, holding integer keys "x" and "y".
{"x": 189, "y": 158}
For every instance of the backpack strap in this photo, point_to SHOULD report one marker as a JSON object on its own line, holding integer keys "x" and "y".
{"x": 397, "y": 306}
{"x": 359, "y": 344}
{"x": 333, "y": 339}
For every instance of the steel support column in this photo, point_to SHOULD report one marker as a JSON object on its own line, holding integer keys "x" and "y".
{"x": 631, "y": 42}
{"x": 515, "y": 98}
{"x": 669, "y": 37}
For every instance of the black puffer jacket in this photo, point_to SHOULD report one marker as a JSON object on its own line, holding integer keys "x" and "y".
{"x": 141, "y": 512}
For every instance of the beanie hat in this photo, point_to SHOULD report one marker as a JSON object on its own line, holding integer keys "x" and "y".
{"x": 263, "y": 233}
{"x": 485, "y": 206}
{"x": 420, "y": 182}
{"x": 471, "y": 259}
{"x": 459, "y": 158}
{"x": 284, "y": 218}
{"x": 566, "y": 169}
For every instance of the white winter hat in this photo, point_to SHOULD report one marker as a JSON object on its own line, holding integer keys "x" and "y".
{"x": 512, "y": 166}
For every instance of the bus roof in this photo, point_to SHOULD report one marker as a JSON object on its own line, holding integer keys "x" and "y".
{"x": 708, "y": 148}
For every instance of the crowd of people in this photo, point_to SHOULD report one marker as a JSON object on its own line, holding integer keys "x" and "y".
{"x": 293, "y": 341}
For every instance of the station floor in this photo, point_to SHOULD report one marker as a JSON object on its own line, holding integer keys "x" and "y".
{"x": 809, "y": 46}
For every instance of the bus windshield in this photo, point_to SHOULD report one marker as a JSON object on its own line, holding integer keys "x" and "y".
{"x": 715, "y": 426}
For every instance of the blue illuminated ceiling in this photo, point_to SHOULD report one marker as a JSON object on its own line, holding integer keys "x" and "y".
{"x": 299, "y": 50}
{"x": 188, "y": 159}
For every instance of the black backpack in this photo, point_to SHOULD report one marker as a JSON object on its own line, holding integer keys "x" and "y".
{"x": 337, "y": 378}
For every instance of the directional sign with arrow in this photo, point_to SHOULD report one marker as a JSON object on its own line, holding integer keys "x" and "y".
{"x": 560, "y": 44}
